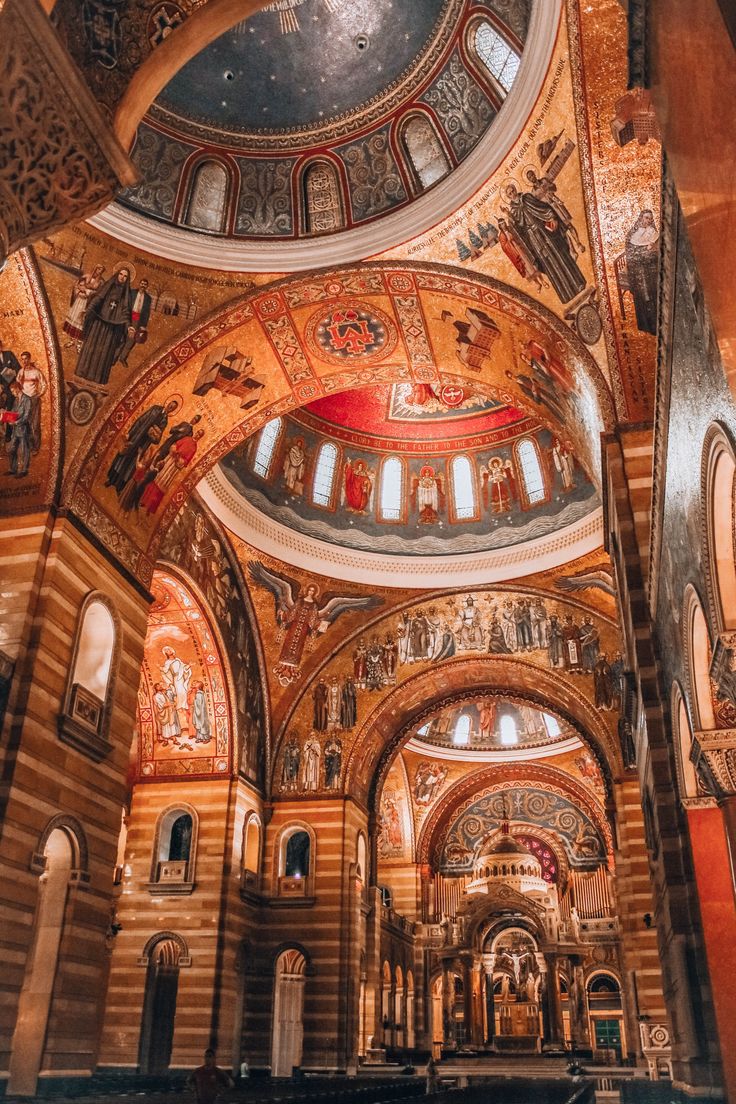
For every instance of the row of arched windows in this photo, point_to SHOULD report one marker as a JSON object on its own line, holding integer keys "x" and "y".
{"x": 426, "y": 155}
{"x": 175, "y": 848}
{"x": 507, "y": 729}
{"x": 392, "y": 478}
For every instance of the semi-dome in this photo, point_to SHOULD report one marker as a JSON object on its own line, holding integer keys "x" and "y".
{"x": 319, "y": 116}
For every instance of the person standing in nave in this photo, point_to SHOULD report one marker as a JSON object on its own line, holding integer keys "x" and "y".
{"x": 209, "y": 1080}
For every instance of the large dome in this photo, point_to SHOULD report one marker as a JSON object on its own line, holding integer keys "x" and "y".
{"x": 410, "y": 470}
{"x": 319, "y": 116}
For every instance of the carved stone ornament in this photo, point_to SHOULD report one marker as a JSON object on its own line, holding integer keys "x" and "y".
{"x": 713, "y": 755}
{"x": 59, "y": 161}
{"x": 722, "y": 666}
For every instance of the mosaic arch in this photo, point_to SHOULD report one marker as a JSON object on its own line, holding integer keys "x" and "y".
{"x": 366, "y": 756}
{"x": 300, "y": 339}
{"x": 184, "y": 708}
{"x": 535, "y": 798}
{"x": 400, "y": 668}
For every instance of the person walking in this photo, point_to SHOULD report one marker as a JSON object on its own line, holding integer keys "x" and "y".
{"x": 209, "y": 1080}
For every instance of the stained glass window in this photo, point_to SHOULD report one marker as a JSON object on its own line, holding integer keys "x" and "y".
{"x": 498, "y": 56}
{"x": 462, "y": 483}
{"x": 392, "y": 488}
{"x": 461, "y": 734}
{"x": 324, "y": 475}
{"x": 266, "y": 447}
{"x": 424, "y": 150}
{"x": 531, "y": 471}
{"x": 546, "y": 857}
{"x": 207, "y": 198}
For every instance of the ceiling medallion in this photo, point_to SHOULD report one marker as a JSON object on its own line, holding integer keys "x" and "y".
{"x": 350, "y": 331}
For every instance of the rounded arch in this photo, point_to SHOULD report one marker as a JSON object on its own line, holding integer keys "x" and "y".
{"x": 252, "y": 843}
{"x": 178, "y": 941}
{"x": 698, "y": 651}
{"x": 74, "y": 831}
{"x": 499, "y": 778}
{"x": 683, "y": 733}
{"x": 294, "y": 866}
{"x": 718, "y": 476}
{"x": 607, "y": 972}
{"x": 424, "y": 151}
{"x": 174, "y": 856}
{"x": 322, "y": 191}
{"x": 216, "y": 211}
{"x": 404, "y": 709}
{"x": 189, "y": 367}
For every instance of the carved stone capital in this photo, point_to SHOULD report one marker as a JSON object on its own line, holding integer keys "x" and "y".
{"x": 59, "y": 161}
{"x": 722, "y": 664}
{"x": 713, "y": 755}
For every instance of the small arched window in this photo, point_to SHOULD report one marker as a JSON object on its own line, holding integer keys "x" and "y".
{"x": 461, "y": 735}
{"x": 207, "y": 198}
{"x": 362, "y": 859}
{"x": 322, "y": 198}
{"x": 324, "y": 474}
{"x": 252, "y": 845}
{"x": 95, "y": 648}
{"x": 297, "y": 855}
{"x": 266, "y": 448}
{"x": 463, "y": 488}
{"x": 392, "y": 489}
{"x": 424, "y": 151}
{"x": 175, "y": 851}
{"x": 532, "y": 478}
{"x": 85, "y": 718}
{"x": 507, "y": 729}
{"x": 496, "y": 54}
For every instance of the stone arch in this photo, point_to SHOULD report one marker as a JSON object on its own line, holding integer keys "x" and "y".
{"x": 290, "y": 362}
{"x": 498, "y": 777}
{"x": 683, "y": 740}
{"x": 387, "y": 727}
{"x": 718, "y": 476}
{"x": 181, "y": 943}
{"x": 74, "y": 830}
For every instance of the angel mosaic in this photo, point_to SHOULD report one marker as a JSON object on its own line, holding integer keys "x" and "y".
{"x": 302, "y": 615}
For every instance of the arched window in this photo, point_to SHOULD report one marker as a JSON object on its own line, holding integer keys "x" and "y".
{"x": 296, "y": 857}
{"x": 684, "y": 742}
{"x": 174, "y": 851}
{"x": 424, "y": 151}
{"x": 461, "y": 735}
{"x": 207, "y": 198}
{"x": 266, "y": 448}
{"x": 159, "y": 1006}
{"x": 323, "y": 210}
{"x": 700, "y": 658}
{"x": 552, "y": 725}
{"x": 362, "y": 859}
{"x": 507, "y": 729}
{"x": 252, "y": 844}
{"x": 463, "y": 488}
{"x": 296, "y": 862}
{"x": 85, "y": 717}
{"x": 532, "y": 478}
{"x": 324, "y": 474}
{"x": 720, "y": 477}
{"x": 387, "y": 897}
{"x": 392, "y": 489}
{"x": 496, "y": 54}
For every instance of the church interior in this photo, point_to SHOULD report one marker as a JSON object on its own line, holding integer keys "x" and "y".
{"x": 368, "y": 541}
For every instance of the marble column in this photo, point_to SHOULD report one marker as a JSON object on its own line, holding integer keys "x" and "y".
{"x": 578, "y": 1016}
{"x": 554, "y": 1005}
{"x": 468, "y": 1017}
{"x": 489, "y": 961}
{"x": 448, "y": 1003}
